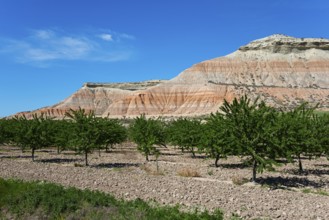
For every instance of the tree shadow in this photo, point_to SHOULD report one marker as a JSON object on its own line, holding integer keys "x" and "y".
{"x": 58, "y": 160}
{"x": 120, "y": 152}
{"x": 279, "y": 182}
{"x": 321, "y": 165}
{"x": 306, "y": 172}
{"x": 69, "y": 153}
{"x": 45, "y": 151}
{"x": 171, "y": 154}
{"x": 116, "y": 165}
{"x": 200, "y": 157}
{"x": 231, "y": 165}
{"x": 15, "y": 157}
{"x": 282, "y": 161}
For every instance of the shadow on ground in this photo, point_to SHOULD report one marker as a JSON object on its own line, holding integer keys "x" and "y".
{"x": 321, "y": 165}
{"x": 58, "y": 160}
{"x": 278, "y": 182}
{"x": 306, "y": 172}
{"x": 15, "y": 157}
{"x": 231, "y": 165}
{"x": 45, "y": 151}
{"x": 171, "y": 154}
{"x": 199, "y": 157}
{"x": 116, "y": 165}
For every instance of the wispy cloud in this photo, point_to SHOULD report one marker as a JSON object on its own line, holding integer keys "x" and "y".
{"x": 45, "y": 46}
{"x": 106, "y": 37}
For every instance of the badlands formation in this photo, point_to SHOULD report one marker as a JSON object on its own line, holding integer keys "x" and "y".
{"x": 282, "y": 70}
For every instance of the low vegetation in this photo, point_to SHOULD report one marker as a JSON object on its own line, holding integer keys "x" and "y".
{"x": 188, "y": 172}
{"x": 39, "y": 200}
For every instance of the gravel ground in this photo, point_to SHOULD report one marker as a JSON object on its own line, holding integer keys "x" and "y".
{"x": 124, "y": 173}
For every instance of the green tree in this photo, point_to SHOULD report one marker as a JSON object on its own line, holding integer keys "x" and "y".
{"x": 251, "y": 125}
{"x": 298, "y": 131}
{"x": 216, "y": 138}
{"x": 84, "y": 131}
{"x": 322, "y": 133}
{"x": 186, "y": 134}
{"x": 21, "y": 125}
{"x": 4, "y": 135}
{"x": 110, "y": 132}
{"x": 35, "y": 133}
{"x": 147, "y": 133}
{"x": 63, "y": 131}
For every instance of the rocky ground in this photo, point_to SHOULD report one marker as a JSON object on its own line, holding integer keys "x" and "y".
{"x": 282, "y": 194}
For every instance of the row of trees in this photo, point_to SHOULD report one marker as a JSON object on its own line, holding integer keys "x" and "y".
{"x": 242, "y": 128}
{"x": 82, "y": 132}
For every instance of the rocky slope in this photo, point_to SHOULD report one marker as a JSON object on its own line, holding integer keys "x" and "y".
{"x": 94, "y": 96}
{"x": 282, "y": 70}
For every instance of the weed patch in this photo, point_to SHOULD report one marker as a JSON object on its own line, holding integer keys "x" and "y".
{"x": 239, "y": 180}
{"x": 188, "y": 172}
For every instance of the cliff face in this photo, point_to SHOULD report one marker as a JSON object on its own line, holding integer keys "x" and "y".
{"x": 282, "y": 70}
{"x": 94, "y": 96}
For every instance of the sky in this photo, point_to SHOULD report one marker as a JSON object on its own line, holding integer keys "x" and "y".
{"x": 49, "y": 48}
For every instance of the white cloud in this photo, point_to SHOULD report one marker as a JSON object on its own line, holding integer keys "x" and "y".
{"x": 127, "y": 36}
{"x": 106, "y": 37}
{"x": 45, "y": 46}
{"x": 44, "y": 34}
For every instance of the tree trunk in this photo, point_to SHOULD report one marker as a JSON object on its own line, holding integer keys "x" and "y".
{"x": 217, "y": 159}
{"x": 99, "y": 152}
{"x": 193, "y": 153}
{"x": 33, "y": 154}
{"x": 58, "y": 151}
{"x": 300, "y": 164}
{"x": 86, "y": 158}
{"x": 254, "y": 169}
{"x": 147, "y": 157}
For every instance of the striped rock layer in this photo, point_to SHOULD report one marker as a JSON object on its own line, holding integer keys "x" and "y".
{"x": 282, "y": 70}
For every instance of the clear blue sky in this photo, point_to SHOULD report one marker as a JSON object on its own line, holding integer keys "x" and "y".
{"x": 49, "y": 48}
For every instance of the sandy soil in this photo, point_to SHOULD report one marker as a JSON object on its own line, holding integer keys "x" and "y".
{"x": 124, "y": 173}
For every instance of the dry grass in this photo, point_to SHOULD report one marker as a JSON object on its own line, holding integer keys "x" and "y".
{"x": 78, "y": 165}
{"x": 129, "y": 155}
{"x": 149, "y": 170}
{"x": 237, "y": 180}
{"x": 168, "y": 159}
{"x": 188, "y": 172}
